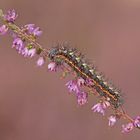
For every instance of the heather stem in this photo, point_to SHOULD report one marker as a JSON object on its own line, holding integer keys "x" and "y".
{"x": 44, "y": 52}
{"x": 22, "y": 34}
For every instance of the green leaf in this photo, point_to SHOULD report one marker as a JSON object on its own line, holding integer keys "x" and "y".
{"x": 29, "y": 46}
{"x": 39, "y": 50}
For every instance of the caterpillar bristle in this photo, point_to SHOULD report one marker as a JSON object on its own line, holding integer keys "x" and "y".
{"x": 81, "y": 66}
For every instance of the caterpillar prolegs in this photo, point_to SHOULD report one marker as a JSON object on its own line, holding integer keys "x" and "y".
{"x": 63, "y": 54}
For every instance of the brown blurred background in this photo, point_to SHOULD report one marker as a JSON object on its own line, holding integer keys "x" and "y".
{"x": 34, "y": 104}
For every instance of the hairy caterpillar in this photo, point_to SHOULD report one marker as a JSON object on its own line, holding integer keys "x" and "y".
{"x": 74, "y": 59}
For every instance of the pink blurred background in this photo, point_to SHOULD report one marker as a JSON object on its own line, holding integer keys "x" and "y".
{"x": 34, "y": 104}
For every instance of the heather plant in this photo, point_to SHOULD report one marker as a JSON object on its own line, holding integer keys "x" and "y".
{"x": 87, "y": 80}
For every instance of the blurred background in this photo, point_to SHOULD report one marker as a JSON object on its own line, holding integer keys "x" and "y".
{"x": 34, "y": 103}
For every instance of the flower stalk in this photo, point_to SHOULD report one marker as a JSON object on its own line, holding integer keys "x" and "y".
{"x": 25, "y": 42}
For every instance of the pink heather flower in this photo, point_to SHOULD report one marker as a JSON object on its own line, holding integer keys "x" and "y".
{"x": 82, "y": 98}
{"x": 137, "y": 122}
{"x": 18, "y": 44}
{"x": 31, "y": 52}
{"x": 10, "y": 16}
{"x": 28, "y": 52}
{"x": 72, "y": 86}
{"x": 89, "y": 82}
{"x": 100, "y": 107}
{"x": 29, "y": 28}
{"x": 80, "y": 82}
{"x": 127, "y": 128}
{"x": 40, "y": 61}
{"x": 24, "y": 52}
{"x": 52, "y": 66}
{"x": 112, "y": 120}
{"x": 105, "y": 104}
{"x": 3, "y": 29}
{"x": 37, "y": 32}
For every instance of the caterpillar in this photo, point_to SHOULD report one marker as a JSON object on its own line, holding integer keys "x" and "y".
{"x": 63, "y": 54}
